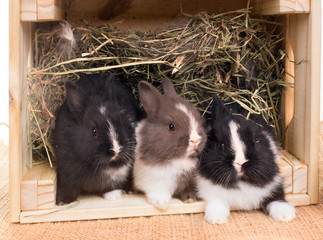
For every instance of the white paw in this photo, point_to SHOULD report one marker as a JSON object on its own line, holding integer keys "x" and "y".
{"x": 113, "y": 195}
{"x": 159, "y": 200}
{"x": 216, "y": 213}
{"x": 281, "y": 211}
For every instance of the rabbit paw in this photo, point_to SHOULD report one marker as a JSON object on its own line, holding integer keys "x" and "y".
{"x": 281, "y": 211}
{"x": 216, "y": 213}
{"x": 188, "y": 196}
{"x": 113, "y": 195}
{"x": 159, "y": 200}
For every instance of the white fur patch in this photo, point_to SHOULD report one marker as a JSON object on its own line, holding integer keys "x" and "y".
{"x": 281, "y": 211}
{"x": 217, "y": 212}
{"x": 102, "y": 110}
{"x": 245, "y": 196}
{"x": 160, "y": 182}
{"x": 219, "y": 200}
{"x": 116, "y": 147}
{"x": 195, "y": 137}
{"x": 238, "y": 146}
{"x": 159, "y": 199}
{"x": 117, "y": 175}
{"x": 113, "y": 195}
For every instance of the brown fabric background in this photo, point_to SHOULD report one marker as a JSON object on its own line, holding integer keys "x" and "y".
{"x": 242, "y": 225}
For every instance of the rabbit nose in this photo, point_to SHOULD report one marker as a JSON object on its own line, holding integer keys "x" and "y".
{"x": 240, "y": 162}
{"x": 195, "y": 141}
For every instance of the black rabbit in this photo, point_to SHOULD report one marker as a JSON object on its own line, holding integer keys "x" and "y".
{"x": 94, "y": 138}
{"x": 239, "y": 166}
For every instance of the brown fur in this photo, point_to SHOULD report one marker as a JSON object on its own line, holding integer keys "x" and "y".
{"x": 186, "y": 186}
{"x": 158, "y": 144}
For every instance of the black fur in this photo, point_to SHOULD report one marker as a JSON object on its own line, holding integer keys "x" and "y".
{"x": 81, "y": 140}
{"x": 217, "y": 161}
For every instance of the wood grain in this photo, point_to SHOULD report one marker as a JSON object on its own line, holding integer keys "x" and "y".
{"x": 28, "y": 10}
{"x": 288, "y": 93}
{"x": 94, "y": 207}
{"x": 38, "y": 188}
{"x": 14, "y": 109}
{"x": 287, "y": 173}
{"x": 273, "y": 7}
{"x": 299, "y": 170}
{"x": 303, "y": 131}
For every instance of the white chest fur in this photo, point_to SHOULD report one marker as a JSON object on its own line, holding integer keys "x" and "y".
{"x": 245, "y": 196}
{"x": 117, "y": 175}
{"x": 150, "y": 178}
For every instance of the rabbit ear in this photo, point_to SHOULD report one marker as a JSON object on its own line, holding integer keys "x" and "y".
{"x": 75, "y": 98}
{"x": 168, "y": 87}
{"x": 150, "y": 97}
{"x": 218, "y": 108}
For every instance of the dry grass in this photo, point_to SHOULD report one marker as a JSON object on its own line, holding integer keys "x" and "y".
{"x": 230, "y": 54}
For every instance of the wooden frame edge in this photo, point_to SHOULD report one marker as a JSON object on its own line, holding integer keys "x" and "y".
{"x": 14, "y": 109}
{"x": 313, "y": 97}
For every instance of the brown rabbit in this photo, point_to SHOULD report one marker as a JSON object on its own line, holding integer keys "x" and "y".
{"x": 169, "y": 142}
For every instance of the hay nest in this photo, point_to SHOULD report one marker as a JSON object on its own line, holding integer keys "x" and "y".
{"x": 231, "y": 54}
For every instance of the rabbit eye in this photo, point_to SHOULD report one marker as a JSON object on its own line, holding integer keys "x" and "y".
{"x": 222, "y": 147}
{"x": 94, "y": 133}
{"x": 171, "y": 127}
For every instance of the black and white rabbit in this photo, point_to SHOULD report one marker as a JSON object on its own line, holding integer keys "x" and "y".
{"x": 239, "y": 167}
{"x": 94, "y": 138}
{"x": 169, "y": 141}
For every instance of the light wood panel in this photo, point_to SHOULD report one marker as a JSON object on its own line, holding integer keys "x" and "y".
{"x": 299, "y": 173}
{"x": 312, "y": 137}
{"x": 28, "y": 10}
{"x": 287, "y": 172}
{"x": 272, "y": 7}
{"x": 303, "y": 135}
{"x": 15, "y": 88}
{"x": 38, "y": 188}
{"x": 19, "y": 61}
{"x": 93, "y": 207}
{"x": 288, "y": 93}
{"x": 42, "y": 10}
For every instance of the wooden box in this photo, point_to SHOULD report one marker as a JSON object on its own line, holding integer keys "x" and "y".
{"x": 32, "y": 191}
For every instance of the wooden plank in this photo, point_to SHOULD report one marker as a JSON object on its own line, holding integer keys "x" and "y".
{"x": 287, "y": 173}
{"x": 38, "y": 188}
{"x": 298, "y": 199}
{"x": 28, "y": 188}
{"x": 273, "y": 7}
{"x": 299, "y": 41}
{"x": 93, "y": 207}
{"x": 312, "y": 141}
{"x": 26, "y": 63}
{"x": 46, "y": 188}
{"x": 14, "y": 109}
{"x": 288, "y": 93}
{"x": 49, "y": 10}
{"x": 299, "y": 173}
{"x": 145, "y": 10}
{"x": 41, "y": 181}
{"x": 28, "y": 195}
{"x": 303, "y": 136}
{"x": 28, "y": 11}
